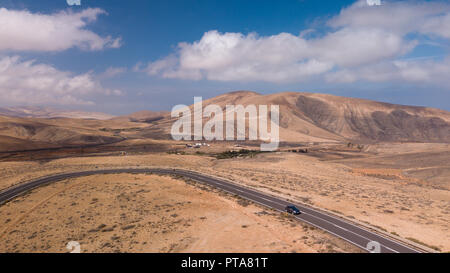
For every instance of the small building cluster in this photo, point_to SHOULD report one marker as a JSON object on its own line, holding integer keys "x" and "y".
{"x": 197, "y": 145}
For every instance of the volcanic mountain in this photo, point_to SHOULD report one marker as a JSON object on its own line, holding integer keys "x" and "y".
{"x": 310, "y": 117}
{"x": 304, "y": 117}
{"x": 17, "y": 134}
{"x": 49, "y": 112}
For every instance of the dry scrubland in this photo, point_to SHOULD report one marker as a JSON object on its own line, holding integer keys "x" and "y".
{"x": 402, "y": 188}
{"x": 381, "y": 188}
{"x": 149, "y": 213}
{"x": 399, "y": 206}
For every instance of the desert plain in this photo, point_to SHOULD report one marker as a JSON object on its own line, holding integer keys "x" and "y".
{"x": 396, "y": 187}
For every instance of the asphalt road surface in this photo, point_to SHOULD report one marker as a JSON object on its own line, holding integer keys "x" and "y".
{"x": 350, "y": 232}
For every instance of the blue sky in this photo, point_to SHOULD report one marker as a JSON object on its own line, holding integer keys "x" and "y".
{"x": 124, "y": 56}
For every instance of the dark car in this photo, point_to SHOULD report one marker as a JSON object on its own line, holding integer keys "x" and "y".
{"x": 292, "y": 210}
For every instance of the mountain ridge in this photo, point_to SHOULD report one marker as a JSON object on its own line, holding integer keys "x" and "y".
{"x": 49, "y": 112}
{"x": 306, "y": 116}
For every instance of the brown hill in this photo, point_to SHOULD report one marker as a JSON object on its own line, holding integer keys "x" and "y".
{"x": 143, "y": 116}
{"x": 309, "y": 117}
{"x": 18, "y": 134}
{"x": 304, "y": 117}
{"x": 47, "y": 112}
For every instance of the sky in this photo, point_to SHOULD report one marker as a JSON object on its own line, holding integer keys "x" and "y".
{"x": 120, "y": 57}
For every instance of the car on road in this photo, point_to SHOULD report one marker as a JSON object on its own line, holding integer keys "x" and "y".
{"x": 292, "y": 210}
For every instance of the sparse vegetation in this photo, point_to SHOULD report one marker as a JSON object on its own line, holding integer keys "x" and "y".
{"x": 240, "y": 153}
{"x": 243, "y": 202}
{"x": 351, "y": 187}
{"x": 424, "y": 244}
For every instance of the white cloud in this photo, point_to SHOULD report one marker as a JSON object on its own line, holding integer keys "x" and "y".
{"x": 282, "y": 57}
{"x": 439, "y": 26}
{"x": 362, "y": 37}
{"x": 421, "y": 71}
{"x": 111, "y": 72}
{"x": 26, "y": 82}
{"x": 235, "y": 57}
{"x": 400, "y": 17}
{"x": 359, "y": 46}
{"x": 21, "y": 30}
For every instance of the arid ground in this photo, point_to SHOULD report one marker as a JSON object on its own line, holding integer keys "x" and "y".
{"x": 149, "y": 213}
{"x": 382, "y": 186}
{"x": 381, "y": 165}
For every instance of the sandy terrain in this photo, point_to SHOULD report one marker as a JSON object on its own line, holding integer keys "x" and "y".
{"x": 379, "y": 187}
{"x": 428, "y": 163}
{"x": 149, "y": 213}
{"x": 382, "y": 198}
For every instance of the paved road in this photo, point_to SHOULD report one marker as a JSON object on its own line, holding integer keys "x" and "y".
{"x": 341, "y": 228}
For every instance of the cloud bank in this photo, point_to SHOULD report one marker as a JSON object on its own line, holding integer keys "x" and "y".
{"x": 21, "y": 30}
{"x": 364, "y": 43}
{"x": 30, "y": 83}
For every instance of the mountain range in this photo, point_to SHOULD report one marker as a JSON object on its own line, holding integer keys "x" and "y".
{"x": 304, "y": 117}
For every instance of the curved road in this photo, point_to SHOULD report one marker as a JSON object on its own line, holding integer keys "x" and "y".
{"x": 346, "y": 230}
